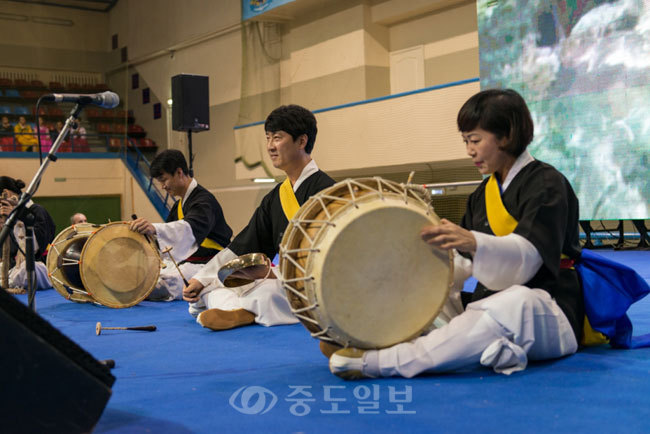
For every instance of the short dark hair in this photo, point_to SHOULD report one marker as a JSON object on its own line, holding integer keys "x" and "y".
{"x": 504, "y": 113}
{"x": 294, "y": 120}
{"x": 11, "y": 184}
{"x": 168, "y": 161}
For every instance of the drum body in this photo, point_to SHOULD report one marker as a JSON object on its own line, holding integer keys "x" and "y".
{"x": 105, "y": 264}
{"x": 354, "y": 266}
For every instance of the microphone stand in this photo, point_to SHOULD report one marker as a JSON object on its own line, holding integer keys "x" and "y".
{"x": 21, "y": 211}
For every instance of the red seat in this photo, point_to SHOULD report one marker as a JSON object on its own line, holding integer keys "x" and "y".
{"x": 54, "y": 111}
{"x": 42, "y": 111}
{"x": 56, "y": 86}
{"x": 6, "y": 82}
{"x": 93, "y": 113}
{"x": 80, "y": 145}
{"x": 65, "y": 146}
{"x": 37, "y": 84}
{"x": 136, "y": 131}
{"x": 104, "y": 128}
{"x": 20, "y": 83}
{"x": 119, "y": 128}
{"x": 115, "y": 143}
{"x": 7, "y": 143}
{"x": 147, "y": 143}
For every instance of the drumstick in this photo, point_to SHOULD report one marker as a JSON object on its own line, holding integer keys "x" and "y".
{"x": 168, "y": 251}
{"x": 146, "y": 237}
{"x": 99, "y": 328}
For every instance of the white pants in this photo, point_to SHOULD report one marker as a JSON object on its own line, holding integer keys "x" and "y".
{"x": 18, "y": 276}
{"x": 502, "y": 331}
{"x": 170, "y": 283}
{"x": 265, "y": 298}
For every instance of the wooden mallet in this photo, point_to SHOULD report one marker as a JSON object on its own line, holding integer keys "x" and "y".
{"x": 99, "y": 328}
{"x": 168, "y": 251}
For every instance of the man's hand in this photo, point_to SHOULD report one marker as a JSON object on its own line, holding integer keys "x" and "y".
{"x": 192, "y": 290}
{"x": 6, "y": 207}
{"x": 448, "y": 235}
{"x": 142, "y": 226}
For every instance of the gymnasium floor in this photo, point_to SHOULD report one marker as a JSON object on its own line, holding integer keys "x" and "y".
{"x": 186, "y": 379}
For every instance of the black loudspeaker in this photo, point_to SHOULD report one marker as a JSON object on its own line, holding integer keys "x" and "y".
{"x": 190, "y": 103}
{"x": 49, "y": 383}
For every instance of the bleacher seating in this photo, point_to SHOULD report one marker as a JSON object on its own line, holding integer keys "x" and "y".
{"x": 106, "y": 128}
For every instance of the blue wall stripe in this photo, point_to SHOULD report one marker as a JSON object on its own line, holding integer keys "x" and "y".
{"x": 381, "y": 98}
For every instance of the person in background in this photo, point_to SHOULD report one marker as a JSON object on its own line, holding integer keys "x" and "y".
{"x": 44, "y": 232}
{"x": 6, "y": 135}
{"x": 46, "y": 140}
{"x": 77, "y": 218}
{"x": 25, "y": 136}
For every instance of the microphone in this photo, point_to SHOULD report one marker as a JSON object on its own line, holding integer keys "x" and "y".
{"x": 105, "y": 99}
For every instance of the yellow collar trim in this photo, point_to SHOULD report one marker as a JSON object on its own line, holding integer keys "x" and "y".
{"x": 290, "y": 204}
{"x": 207, "y": 242}
{"x": 500, "y": 220}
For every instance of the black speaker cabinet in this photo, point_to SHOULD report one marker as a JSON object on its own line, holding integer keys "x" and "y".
{"x": 190, "y": 103}
{"x": 49, "y": 383}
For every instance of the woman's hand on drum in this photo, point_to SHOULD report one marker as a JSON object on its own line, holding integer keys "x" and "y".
{"x": 142, "y": 226}
{"x": 448, "y": 235}
{"x": 192, "y": 290}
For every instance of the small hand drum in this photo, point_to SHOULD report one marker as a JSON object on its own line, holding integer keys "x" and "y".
{"x": 354, "y": 266}
{"x": 108, "y": 264}
{"x": 244, "y": 269}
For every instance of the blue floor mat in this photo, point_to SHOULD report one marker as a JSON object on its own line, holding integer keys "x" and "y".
{"x": 184, "y": 378}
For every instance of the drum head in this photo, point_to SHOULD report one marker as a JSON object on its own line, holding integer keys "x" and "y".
{"x": 119, "y": 267}
{"x": 60, "y": 269}
{"x": 355, "y": 268}
{"x": 380, "y": 284}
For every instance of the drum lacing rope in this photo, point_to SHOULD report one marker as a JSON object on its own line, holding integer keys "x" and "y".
{"x": 351, "y": 190}
{"x": 296, "y": 264}
{"x": 304, "y": 309}
{"x": 71, "y": 288}
{"x": 295, "y": 292}
{"x": 306, "y": 235}
{"x": 306, "y": 318}
{"x": 322, "y": 335}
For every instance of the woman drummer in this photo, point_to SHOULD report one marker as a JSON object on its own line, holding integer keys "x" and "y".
{"x": 518, "y": 238}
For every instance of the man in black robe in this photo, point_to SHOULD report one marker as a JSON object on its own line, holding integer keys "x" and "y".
{"x": 195, "y": 228}
{"x": 290, "y": 134}
{"x": 44, "y": 232}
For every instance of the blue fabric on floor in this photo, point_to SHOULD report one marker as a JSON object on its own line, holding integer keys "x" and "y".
{"x": 184, "y": 378}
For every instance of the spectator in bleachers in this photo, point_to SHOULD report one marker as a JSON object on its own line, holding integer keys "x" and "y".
{"x": 46, "y": 140}
{"x": 24, "y": 135}
{"x": 6, "y": 126}
{"x": 54, "y": 132}
{"x": 79, "y": 133}
{"x": 6, "y": 135}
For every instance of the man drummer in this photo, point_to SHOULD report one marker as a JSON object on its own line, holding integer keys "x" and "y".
{"x": 290, "y": 136}
{"x": 44, "y": 231}
{"x": 195, "y": 229}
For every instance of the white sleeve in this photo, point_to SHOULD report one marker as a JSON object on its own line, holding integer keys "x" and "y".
{"x": 500, "y": 262}
{"x": 454, "y": 306}
{"x": 208, "y": 274}
{"x": 178, "y": 235}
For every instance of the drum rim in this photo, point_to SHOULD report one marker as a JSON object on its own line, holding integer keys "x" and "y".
{"x": 57, "y": 278}
{"x": 98, "y": 296}
{"x": 308, "y": 311}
